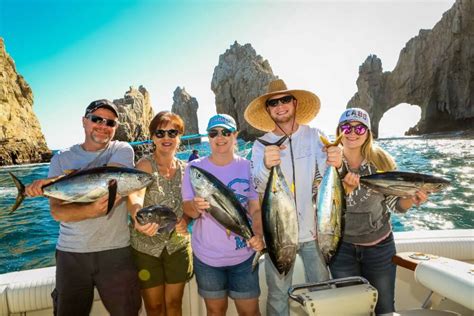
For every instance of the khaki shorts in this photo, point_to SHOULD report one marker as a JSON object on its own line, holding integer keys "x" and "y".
{"x": 169, "y": 269}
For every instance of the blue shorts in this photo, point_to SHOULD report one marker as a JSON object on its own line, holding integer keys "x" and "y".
{"x": 238, "y": 281}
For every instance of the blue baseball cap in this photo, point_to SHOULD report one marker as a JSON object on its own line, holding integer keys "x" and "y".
{"x": 222, "y": 120}
{"x": 355, "y": 114}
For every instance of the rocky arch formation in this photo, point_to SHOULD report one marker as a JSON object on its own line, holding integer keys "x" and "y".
{"x": 435, "y": 71}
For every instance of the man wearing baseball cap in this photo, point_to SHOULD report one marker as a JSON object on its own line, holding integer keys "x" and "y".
{"x": 92, "y": 249}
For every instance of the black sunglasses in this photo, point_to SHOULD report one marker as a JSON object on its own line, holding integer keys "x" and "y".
{"x": 214, "y": 132}
{"x": 284, "y": 100}
{"x": 100, "y": 120}
{"x": 172, "y": 133}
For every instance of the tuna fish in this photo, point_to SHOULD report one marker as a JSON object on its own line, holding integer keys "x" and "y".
{"x": 159, "y": 214}
{"x": 88, "y": 185}
{"x": 279, "y": 219}
{"x": 404, "y": 184}
{"x": 330, "y": 204}
{"x": 225, "y": 207}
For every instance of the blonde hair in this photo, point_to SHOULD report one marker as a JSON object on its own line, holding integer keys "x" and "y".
{"x": 375, "y": 155}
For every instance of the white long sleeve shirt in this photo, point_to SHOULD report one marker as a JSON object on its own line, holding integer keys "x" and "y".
{"x": 307, "y": 154}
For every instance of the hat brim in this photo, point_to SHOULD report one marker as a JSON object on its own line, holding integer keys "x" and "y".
{"x": 308, "y": 107}
{"x": 230, "y": 128}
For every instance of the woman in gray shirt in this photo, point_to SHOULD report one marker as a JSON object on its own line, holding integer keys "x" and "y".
{"x": 367, "y": 245}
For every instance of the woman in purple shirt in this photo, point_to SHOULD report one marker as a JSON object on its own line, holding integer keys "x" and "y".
{"x": 223, "y": 260}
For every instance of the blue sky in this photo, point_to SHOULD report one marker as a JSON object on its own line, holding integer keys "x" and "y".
{"x": 72, "y": 52}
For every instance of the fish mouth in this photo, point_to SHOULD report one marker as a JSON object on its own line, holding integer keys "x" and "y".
{"x": 286, "y": 259}
{"x": 284, "y": 267}
{"x": 141, "y": 219}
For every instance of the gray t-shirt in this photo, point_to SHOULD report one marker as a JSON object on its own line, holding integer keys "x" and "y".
{"x": 95, "y": 234}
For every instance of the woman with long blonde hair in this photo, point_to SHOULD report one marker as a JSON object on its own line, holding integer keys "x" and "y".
{"x": 367, "y": 245}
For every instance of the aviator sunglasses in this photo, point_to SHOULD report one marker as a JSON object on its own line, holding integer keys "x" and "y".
{"x": 214, "y": 132}
{"x": 284, "y": 100}
{"x": 100, "y": 120}
{"x": 172, "y": 133}
{"x": 359, "y": 129}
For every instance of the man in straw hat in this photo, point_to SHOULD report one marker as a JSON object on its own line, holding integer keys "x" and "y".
{"x": 282, "y": 112}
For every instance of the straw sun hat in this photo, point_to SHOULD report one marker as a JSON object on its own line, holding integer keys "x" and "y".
{"x": 256, "y": 113}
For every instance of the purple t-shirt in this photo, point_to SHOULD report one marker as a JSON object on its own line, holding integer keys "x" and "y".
{"x": 210, "y": 240}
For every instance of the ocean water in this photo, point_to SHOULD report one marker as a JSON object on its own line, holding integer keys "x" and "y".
{"x": 28, "y": 236}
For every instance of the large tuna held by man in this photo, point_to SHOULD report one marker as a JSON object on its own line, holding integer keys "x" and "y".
{"x": 88, "y": 185}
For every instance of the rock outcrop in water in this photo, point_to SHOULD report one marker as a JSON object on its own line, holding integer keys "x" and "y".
{"x": 240, "y": 76}
{"x": 435, "y": 71}
{"x": 186, "y": 106}
{"x": 135, "y": 114}
{"x": 21, "y": 139}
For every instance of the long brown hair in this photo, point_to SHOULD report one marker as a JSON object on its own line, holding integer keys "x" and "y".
{"x": 375, "y": 155}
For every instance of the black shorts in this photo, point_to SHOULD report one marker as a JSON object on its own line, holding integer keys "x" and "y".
{"x": 112, "y": 272}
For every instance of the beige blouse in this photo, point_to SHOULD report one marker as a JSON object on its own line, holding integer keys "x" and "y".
{"x": 166, "y": 192}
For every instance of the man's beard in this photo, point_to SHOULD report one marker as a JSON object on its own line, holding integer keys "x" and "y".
{"x": 100, "y": 140}
{"x": 282, "y": 120}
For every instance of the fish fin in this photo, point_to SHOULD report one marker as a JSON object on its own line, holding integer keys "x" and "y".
{"x": 324, "y": 140}
{"x": 21, "y": 193}
{"x": 338, "y": 140}
{"x": 327, "y": 143}
{"x": 112, "y": 195}
{"x": 277, "y": 143}
{"x": 257, "y": 257}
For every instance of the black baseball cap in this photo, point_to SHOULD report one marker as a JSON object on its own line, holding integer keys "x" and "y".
{"x": 103, "y": 103}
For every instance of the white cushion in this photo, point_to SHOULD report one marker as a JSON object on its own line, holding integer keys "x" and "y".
{"x": 450, "y": 278}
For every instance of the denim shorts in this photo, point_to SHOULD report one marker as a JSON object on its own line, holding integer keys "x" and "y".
{"x": 238, "y": 281}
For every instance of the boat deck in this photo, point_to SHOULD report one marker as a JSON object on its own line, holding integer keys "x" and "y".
{"x": 28, "y": 292}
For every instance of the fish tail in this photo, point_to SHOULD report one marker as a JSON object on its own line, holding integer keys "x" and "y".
{"x": 257, "y": 256}
{"x": 277, "y": 143}
{"x": 21, "y": 192}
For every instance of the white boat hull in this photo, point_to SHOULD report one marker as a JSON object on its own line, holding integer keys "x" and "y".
{"x": 28, "y": 292}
